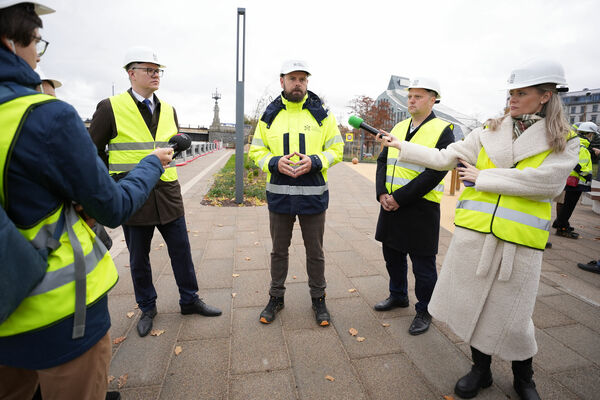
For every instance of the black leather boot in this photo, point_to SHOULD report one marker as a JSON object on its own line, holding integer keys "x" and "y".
{"x": 480, "y": 376}
{"x": 523, "y": 382}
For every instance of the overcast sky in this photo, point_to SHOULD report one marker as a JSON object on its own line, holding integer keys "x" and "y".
{"x": 353, "y": 47}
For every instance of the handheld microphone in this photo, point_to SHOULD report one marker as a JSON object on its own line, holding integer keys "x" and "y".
{"x": 179, "y": 143}
{"x": 358, "y": 123}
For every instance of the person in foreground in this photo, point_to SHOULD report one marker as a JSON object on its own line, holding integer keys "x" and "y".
{"x": 296, "y": 141}
{"x": 489, "y": 279}
{"x": 58, "y": 335}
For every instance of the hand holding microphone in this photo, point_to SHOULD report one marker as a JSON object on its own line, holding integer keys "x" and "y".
{"x": 179, "y": 143}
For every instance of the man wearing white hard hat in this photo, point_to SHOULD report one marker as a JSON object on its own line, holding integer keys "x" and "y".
{"x": 128, "y": 123}
{"x": 409, "y": 217}
{"x": 296, "y": 141}
{"x": 48, "y": 85}
{"x": 54, "y": 320}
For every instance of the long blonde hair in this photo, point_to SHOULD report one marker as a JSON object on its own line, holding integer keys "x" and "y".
{"x": 557, "y": 127}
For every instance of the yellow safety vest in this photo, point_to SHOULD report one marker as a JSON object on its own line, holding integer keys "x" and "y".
{"x": 510, "y": 218}
{"x": 134, "y": 140}
{"x": 585, "y": 161}
{"x": 81, "y": 261}
{"x": 399, "y": 173}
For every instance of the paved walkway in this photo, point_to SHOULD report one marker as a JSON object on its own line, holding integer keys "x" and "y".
{"x": 236, "y": 357}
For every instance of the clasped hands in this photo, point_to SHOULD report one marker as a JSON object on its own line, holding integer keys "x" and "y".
{"x": 292, "y": 168}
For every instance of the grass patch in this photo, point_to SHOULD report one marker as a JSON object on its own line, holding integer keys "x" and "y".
{"x": 222, "y": 192}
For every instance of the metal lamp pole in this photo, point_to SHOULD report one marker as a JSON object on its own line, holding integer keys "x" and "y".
{"x": 239, "y": 97}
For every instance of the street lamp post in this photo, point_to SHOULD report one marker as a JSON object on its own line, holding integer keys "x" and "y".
{"x": 239, "y": 96}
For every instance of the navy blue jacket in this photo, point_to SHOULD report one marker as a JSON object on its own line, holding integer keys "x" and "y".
{"x": 54, "y": 161}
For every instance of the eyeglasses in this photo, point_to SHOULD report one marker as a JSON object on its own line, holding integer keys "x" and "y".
{"x": 40, "y": 45}
{"x": 152, "y": 71}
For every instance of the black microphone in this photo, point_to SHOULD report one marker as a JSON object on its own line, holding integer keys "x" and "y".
{"x": 358, "y": 123}
{"x": 179, "y": 143}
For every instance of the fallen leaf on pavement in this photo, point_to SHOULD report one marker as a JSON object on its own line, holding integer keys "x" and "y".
{"x": 120, "y": 339}
{"x": 126, "y": 266}
{"x": 219, "y": 224}
{"x": 130, "y": 314}
{"x": 565, "y": 275}
{"x": 446, "y": 397}
{"x": 329, "y": 378}
{"x": 256, "y": 243}
{"x": 122, "y": 380}
{"x": 360, "y": 339}
{"x": 233, "y": 294}
{"x": 385, "y": 324}
{"x": 157, "y": 332}
{"x": 352, "y": 290}
{"x": 136, "y": 306}
{"x": 248, "y": 258}
{"x": 161, "y": 245}
{"x": 111, "y": 378}
{"x": 294, "y": 277}
{"x": 178, "y": 350}
{"x": 235, "y": 275}
{"x": 353, "y": 331}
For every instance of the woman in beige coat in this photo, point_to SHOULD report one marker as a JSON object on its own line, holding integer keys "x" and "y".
{"x": 489, "y": 279}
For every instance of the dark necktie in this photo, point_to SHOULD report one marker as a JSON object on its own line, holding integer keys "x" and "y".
{"x": 147, "y": 103}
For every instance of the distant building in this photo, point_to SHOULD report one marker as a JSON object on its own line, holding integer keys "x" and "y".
{"x": 582, "y": 106}
{"x": 396, "y": 95}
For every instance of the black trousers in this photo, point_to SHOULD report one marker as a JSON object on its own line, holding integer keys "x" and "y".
{"x": 423, "y": 269}
{"x": 571, "y": 199}
{"x": 138, "y": 240}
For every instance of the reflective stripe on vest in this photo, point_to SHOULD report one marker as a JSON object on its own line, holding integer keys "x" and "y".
{"x": 510, "y": 218}
{"x": 297, "y": 190}
{"x": 400, "y": 173}
{"x": 134, "y": 140}
{"x": 80, "y": 270}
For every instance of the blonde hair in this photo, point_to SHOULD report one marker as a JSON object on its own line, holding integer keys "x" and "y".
{"x": 557, "y": 127}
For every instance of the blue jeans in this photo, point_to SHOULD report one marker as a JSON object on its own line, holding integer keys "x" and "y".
{"x": 139, "y": 239}
{"x": 423, "y": 269}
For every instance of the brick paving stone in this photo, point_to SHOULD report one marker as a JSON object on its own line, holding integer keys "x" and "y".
{"x": 576, "y": 309}
{"x": 585, "y": 382}
{"x": 199, "y": 371}
{"x": 219, "y": 248}
{"x": 317, "y": 353}
{"x": 215, "y": 273}
{"x": 553, "y": 356}
{"x": 251, "y": 288}
{"x": 393, "y": 376}
{"x": 355, "y": 313}
{"x": 256, "y": 346}
{"x": 545, "y": 316}
{"x": 146, "y": 359}
{"x": 579, "y": 338}
{"x": 264, "y": 385}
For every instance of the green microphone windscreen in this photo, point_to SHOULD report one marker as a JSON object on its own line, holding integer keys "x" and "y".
{"x": 355, "y": 121}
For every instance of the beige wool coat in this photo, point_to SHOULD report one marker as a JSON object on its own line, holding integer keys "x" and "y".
{"x": 487, "y": 287}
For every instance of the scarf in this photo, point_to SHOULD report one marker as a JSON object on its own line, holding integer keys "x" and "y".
{"x": 522, "y": 122}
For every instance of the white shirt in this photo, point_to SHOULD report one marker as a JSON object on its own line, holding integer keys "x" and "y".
{"x": 141, "y": 98}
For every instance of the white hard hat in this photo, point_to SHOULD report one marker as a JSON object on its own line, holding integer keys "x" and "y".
{"x": 588, "y": 127}
{"x": 537, "y": 72}
{"x": 43, "y": 77}
{"x": 294, "y": 65}
{"x": 39, "y": 8}
{"x": 141, "y": 54}
{"x": 421, "y": 82}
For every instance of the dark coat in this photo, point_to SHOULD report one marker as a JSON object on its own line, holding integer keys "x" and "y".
{"x": 414, "y": 227}
{"x": 165, "y": 203}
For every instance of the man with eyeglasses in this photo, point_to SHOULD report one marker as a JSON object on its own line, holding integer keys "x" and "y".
{"x": 128, "y": 124}
{"x": 57, "y": 336}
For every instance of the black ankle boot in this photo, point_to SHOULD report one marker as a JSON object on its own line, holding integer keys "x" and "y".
{"x": 523, "y": 382}
{"x": 479, "y": 377}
